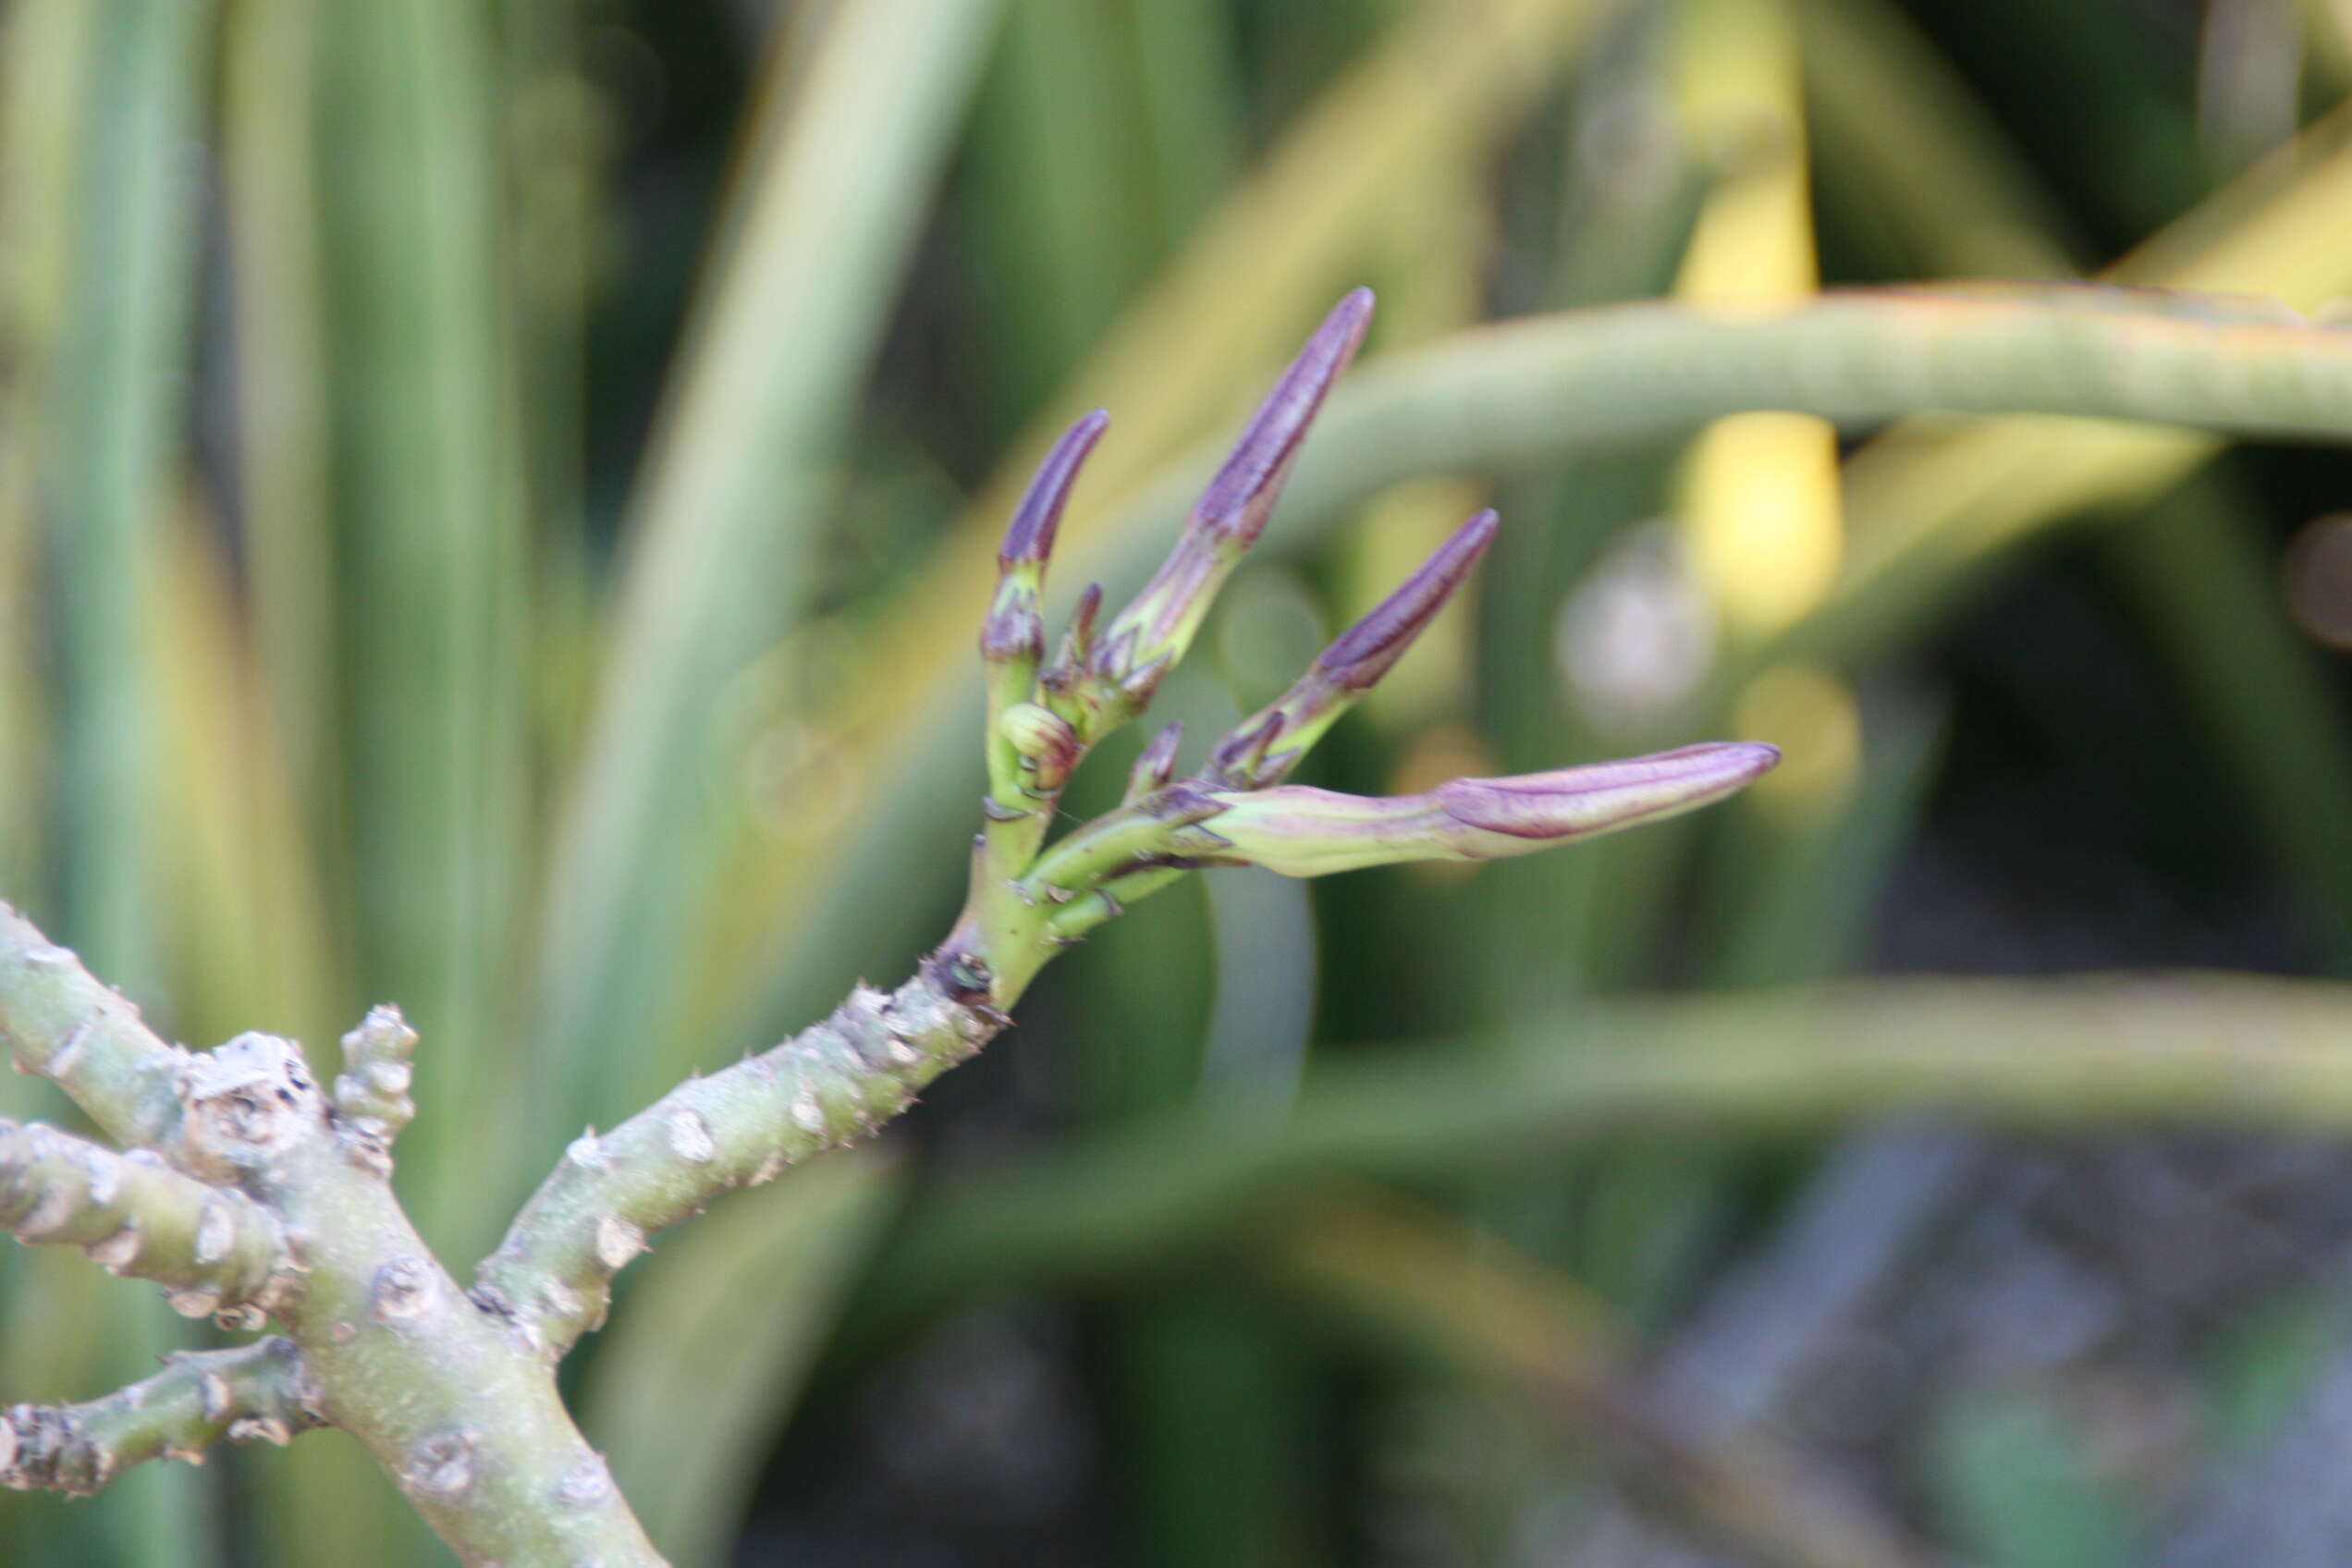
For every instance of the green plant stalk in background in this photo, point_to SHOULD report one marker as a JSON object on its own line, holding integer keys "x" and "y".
{"x": 2066, "y": 1055}
{"x": 728, "y": 499}
{"x": 109, "y": 483}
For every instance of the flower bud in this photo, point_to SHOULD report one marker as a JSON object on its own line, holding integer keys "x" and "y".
{"x": 1263, "y": 748}
{"x": 1157, "y": 765}
{"x": 1045, "y": 744}
{"x": 1300, "y": 831}
{"x": 1162, "y": 621}
{"x": 1238, "y": 502}
{"x": 1030, "y": 538}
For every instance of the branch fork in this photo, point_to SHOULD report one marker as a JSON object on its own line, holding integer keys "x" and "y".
{"x": 254, "y": 1195}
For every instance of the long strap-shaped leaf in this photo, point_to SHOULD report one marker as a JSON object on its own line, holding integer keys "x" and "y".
{"x": 106, "y": 453}
{"x": 719, "y": 558}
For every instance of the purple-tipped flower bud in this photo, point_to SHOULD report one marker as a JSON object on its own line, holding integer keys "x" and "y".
{"x": 1354, "y": 664}
{"x": 1237, "y": 502}
{"x": 1305, "y": 832}
{"x": 1061, "y": 678}
{"x": 1246, "y": 758}
{"x": 1359, "y": 656}
{"x": 1231, "y": 512}
{"x": 1013, "y": 637}
{"x": 1156, "y": 765}
{"x": 1030, "y": 539}
{"x": 1082, "y": 618}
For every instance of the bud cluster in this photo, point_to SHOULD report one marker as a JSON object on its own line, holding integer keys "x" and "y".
{"x": 1028, "y": 898}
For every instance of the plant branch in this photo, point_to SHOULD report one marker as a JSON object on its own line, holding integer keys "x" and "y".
{"x": 216, "y": 1250}
{"x": 374, "y": 1087}
{"x": 448, "y": 1398}
{"x": 827, "y": 1085}
{"x": 452, "y": 1401}
{"x": 87, "y": 1040}
{"x": 552, "y": 1275}
{"x": 254, "y": 1391}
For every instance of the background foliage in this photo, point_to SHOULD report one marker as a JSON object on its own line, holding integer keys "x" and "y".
{"x": 494, "y": 500}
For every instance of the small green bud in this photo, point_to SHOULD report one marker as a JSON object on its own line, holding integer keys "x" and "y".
{"x": 1045, "y": 742}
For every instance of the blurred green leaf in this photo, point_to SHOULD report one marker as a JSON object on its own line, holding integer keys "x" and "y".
{"x": 2209, "y": 590}
{"x": 434, "y": 614}
{"x": 2263, "y": 1366}
{"x": 2201, "y": 579}
{"x": 108, "y": 478}
{"x": 271, "y": 150}
{"x": 1892, "y": 116}
{"x": 2019, "y": 1493}
{"x": 727, "y": 520}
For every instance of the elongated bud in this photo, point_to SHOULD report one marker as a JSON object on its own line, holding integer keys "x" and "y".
{"x": 1030, "y": 538}
{"x": 1013, "y": 639}
{"x": 1305, "y": 832}
{"x": 1238, "y": 502}
{"x": 1264, "y": 748}
{"x": 1156, "y": 765}
{"x": 1359, "y": 656}
{"x": 1159, "y": 626}
{"x": 1027, "y": 761}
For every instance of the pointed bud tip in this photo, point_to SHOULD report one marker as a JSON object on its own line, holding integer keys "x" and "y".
{"x": 1157, "y": 764}
{"x": 1030, "y": 537}
{"x": 1161, "y": 753}
{"x": 1745, "y": 760}
{"x": 1353, "y": 314}
{"x": 1238, "y": 502}
{"x": 1359, "y": 656}
{"x": 1601, "y": 796}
